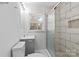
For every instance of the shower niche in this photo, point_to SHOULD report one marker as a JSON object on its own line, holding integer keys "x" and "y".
{"x": 73, "y": 23}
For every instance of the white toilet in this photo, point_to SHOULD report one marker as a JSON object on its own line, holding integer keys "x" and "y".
{"x": 36, "y": 55}
{"x": 40, "y": 53}
{"x": 19, "y": 49}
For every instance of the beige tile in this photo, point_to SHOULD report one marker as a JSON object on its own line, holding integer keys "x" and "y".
{"x": 62, "y": 10}
{"x": 75, "y": 38}
{"x": 68, "y": 36}
{"x": 68, "y": 44}
{"x": 74, "y": 46}
{"x": 65, "y": 7}
{"x": 62, "y": 48}
{"x": 63, "y": 35}
{"x": 63, "y": 42}
{"x": 68, "y": 4}
{"x": 72, "y": 30}
{"x": 57, "y": 42}
{"x": 62, "y": 16}
{"x": 63, "y": 23}
{"x": 57, "y": 30}
{"x": 71, "y": 52}
{"x": 57, "y": 22}
{"x": 61, "y": 54}
{"x": 57, "y": 47}
{"x": 77, "y": 52}
{"x": 74, "y": 4}
{"x": 57, "y": 27}
{"x": 68, "y": 14}
{"x": 57, "y": 35}
{"x": 73, "y": 12}
{"x": 57, "y": 17}
{"x": 68, "y": 52}
{"x": 60, "y": 29}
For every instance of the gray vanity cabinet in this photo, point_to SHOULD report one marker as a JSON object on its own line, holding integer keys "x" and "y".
{"x": 29, "y": 46}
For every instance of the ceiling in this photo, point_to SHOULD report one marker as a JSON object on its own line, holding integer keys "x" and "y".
{"x": 38, "y": 8}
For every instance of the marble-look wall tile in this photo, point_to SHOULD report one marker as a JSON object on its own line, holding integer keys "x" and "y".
{"x": 67, "y": 38}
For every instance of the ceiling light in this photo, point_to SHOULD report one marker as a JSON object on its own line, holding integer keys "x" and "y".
{"x": 27, "y": 10}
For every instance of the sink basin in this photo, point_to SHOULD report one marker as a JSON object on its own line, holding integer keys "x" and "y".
{"x": 28, "y": 37}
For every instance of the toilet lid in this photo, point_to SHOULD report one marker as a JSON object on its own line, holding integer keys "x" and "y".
{"x": 36, "y": 55}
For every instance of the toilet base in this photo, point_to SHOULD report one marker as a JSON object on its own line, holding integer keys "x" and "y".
{"x": 40, "y": 53}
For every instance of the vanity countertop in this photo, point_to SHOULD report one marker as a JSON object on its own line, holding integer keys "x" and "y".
{"x": 28, "y": 37}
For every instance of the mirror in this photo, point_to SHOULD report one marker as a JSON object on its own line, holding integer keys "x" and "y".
{"x": 36, "y": 23}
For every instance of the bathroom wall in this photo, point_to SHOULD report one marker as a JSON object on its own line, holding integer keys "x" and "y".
{"x": 40, "y": 41}
{"x": 51, "y": 32}
{"x": 9, "y": 27}
{"x": 66, "y": 38}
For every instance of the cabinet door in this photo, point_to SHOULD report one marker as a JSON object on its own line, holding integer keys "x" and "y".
{"x": 29, "y": 46}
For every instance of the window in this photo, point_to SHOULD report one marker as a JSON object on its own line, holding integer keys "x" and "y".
{"x": 36, "y": 23}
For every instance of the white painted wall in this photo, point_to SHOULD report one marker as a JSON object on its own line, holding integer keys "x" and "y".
{"x": 9, "y": 25}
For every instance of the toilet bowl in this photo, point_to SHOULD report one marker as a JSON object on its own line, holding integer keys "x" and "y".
{"x": 36, "y": 55}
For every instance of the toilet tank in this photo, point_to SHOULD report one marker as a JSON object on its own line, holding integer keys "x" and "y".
{"x": 29, "y": 44}
{"x": 18, "y": 50}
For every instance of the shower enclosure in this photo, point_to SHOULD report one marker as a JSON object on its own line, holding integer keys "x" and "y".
{"x": 51, "y": 32}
